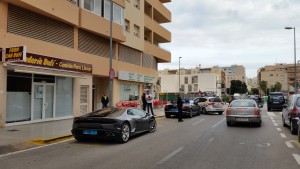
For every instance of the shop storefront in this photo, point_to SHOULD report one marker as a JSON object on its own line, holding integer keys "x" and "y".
{"x": 43, "y": 88}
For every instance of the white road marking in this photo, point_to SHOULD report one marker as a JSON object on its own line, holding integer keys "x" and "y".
{"x": 289, "y": 145}
{"x": 198, "y": 121}
{"x": 271, "y": 118}
{"x": 279, "y": 129}
{"x": 264, "y": 145}
{"x": 170, "y": 156}
{"x": 274, "y": 121}
{"x": 271, "y": 114}
{"x": 34, "y": 148}
{"x": 297, "y": 157}
{"x": 283, "y": 135}
{"x": 218, "y": 123}
{"x": 210, "y": 140}
{"x": 275, "y": 124}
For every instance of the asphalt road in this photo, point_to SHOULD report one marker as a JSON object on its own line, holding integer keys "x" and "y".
{"x": 201, "y": 142}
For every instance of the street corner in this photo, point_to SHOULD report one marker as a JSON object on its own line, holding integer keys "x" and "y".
{"x": 42, "y": 141}
{"x": 10, "y": 148}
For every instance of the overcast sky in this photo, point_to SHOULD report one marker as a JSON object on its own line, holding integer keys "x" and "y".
{"x": 227, "y": 32}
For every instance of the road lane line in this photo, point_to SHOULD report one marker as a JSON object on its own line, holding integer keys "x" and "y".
{"x": 279, "y": 129}
{"x": 275, "y": 124}
{"x": 274, "y": 121}
{"x": 218, "y": 123}
{"x": 289, "y": 145}
{"x": 198, "y": 121}
{"x": 271, "y": 118}
{"x": 297, "y": 158}
{"x": 283, "y": 135}
{"x": 210, "y": 140}
{"x": 170, "y": 156}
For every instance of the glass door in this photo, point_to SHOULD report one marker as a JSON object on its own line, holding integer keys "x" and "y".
{"x": 43, "y": 101}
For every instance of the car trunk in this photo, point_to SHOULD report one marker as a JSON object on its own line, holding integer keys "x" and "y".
{"x": 242, "y": 110}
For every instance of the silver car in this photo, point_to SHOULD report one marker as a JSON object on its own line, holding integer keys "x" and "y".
{"x": 244, "y": 111}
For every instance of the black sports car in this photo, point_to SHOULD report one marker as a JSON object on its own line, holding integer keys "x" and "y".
{"x": 190, "y": 108}
{"x": 113, "y": 123}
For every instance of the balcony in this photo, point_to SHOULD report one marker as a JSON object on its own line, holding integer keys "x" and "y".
{"x": 99, "y": 25}
{"x": 164, "y": 36}
{"x": 160, "y": 13}
{"x": 161, "y": 54}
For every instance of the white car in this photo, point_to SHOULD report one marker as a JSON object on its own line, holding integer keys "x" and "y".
{"x": 211, "y": 105}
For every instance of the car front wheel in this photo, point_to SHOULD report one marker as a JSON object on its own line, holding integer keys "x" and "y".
{"x": 125, "y": 133}
{"x": 204, "y": 111}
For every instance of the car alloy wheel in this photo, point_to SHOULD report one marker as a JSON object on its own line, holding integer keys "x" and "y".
{"x": 204, "y": 111}
{"x": 125, "y": 133}
{"x": 152, "y": 125}
{"x": 293, "y": 131}
{"x": 283, "y": 122}
{"x": 191, "y": 113}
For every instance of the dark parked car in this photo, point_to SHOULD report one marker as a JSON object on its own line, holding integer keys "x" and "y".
{"x": 243, "y": 111}
{"x": 113, "y": 123}
{"x": 291, "y": 114}
{"x": 189, "y": 108}
{"x": 275, "y": 100}
{"x": 299, "y": 131}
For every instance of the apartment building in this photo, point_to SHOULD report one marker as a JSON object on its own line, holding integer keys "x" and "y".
{"x": 234, "y": 72}
{"x": 66, "y": 44}
{"x": 252, "y": 83}
{"x": 282, "y": 73}
{"x": 191, "y": 81}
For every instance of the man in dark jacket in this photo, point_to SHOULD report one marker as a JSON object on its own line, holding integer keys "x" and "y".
{"x": 144, "y": 101}
{"x": 179, "y": 105}
{"x": 104, "y": 100}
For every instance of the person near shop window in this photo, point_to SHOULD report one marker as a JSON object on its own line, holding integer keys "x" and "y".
{"x": 104, "y": 100}
{"x": 149, "y": 99}
{"x": 144, "y": 101}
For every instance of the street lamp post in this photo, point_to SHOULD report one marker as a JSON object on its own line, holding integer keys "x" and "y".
{"x": 179, "y": 75}
{"x": 295, "y": 73}
{"x": 110, "y": 85}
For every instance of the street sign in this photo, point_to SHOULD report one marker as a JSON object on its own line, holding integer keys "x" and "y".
{"x": 17, "y": 53}
{"x": 112, "y": 74}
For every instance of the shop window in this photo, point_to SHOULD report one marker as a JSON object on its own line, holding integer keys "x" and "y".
{"x": 129, "y": 92}
{"x": 64, "y": 96}
{"x": 44, "y": 78}
{"x": 18, "y": 98}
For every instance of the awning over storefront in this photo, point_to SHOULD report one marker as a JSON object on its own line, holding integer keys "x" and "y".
{"x": 36, "y": 70}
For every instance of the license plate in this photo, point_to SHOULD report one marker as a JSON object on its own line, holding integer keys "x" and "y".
{"x": 174, "y": 109}
{"x": 90, "y": 132}
{"x": 242, "y": 119}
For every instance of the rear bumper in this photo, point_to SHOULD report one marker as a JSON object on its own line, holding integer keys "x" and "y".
{"x": 211, "y": 109}
{"x": 175, "y": 113}
{"x": 243, "y": 119}
{"x": 101, "y": 134}
{"x": 276, "y": 106}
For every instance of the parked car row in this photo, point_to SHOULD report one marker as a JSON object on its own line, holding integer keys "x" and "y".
{"x": 196, "y": 106}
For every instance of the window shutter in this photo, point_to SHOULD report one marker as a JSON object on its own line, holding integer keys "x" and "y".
{"x": 84, "y": 99}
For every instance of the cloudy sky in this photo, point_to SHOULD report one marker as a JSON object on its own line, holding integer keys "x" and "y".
{"x": 227, "y": 32}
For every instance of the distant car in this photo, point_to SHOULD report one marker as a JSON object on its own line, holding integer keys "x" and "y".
{"x": 211, "y": 105}
{"x": 291, "y": 114}
{"x": 190, "y": 108}
{"x": 244, "y": 111}
{"x": 275, "y": 100}
{"x": 113, "y": 123}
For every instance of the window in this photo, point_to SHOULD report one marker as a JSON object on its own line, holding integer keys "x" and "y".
{"x": 182, "y": 88}
{"x": 195, "y": 79}
{"x": 106, "y": 9}
{"x": 92, "y": 5}
{"x": 118, "y": 14}
{"x": 186, "y": 80}
{"x": 136, "y": 31}
{"x": 84, "y": 99}
{"x": 127, "y": 25}
{"x": 137, "y": 3}
{"x": 195, "y": 87}
{"x": 189, "y": 88}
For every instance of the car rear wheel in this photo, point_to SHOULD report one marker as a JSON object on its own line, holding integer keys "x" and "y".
{"x": 125, "y": 133}
{"x": 168, "y": 116}
{"x": 152, "y": 125}
{"x": 258, "y": 124}
{"x": 229, "y": 123}
{"x": 299, "y": 134}
{"x": 204, "y": 111}
{"x": 293, "y": 131}
{"x": 269, "y": 108}
{"x": 220, "y": 112}
{"x": 79, "y": 138}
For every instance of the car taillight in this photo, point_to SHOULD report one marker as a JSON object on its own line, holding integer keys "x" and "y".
{"x": 228, "y": 111}
{"x": 256, "y": 111}
{"x": 294, "y": 112}
{"x": 211, "y": 104}
{"x": 184, "y": 107}
{"x": 166, "y": 106}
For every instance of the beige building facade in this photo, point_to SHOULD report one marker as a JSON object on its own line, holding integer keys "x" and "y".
{"x": 234, "y": 72}
{"x": 66, "y": 48}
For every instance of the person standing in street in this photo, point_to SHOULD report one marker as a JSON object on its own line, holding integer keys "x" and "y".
{"x": 149, "y": 99}
{"x": 179, "y": 105}
{"x": 144, "y": 101}
{"x": 104, "y": 100}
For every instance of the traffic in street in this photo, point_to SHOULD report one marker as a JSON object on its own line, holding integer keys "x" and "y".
{"x": 203, "y": 141}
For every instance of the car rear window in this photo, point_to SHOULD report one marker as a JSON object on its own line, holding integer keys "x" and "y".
{"x": 298, "y": 102}
{"x": 243, "y": 103}
{"x": 276, "y": 97}
{"x": 215, "y": 100}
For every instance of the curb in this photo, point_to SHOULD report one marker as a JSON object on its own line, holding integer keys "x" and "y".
{"x": 50, "y": 140}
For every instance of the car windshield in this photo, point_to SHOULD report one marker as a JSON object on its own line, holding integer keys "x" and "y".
{"x": 186, "y": 101}
{"x": 215, "y": 100}
{"x": 243, "y": 103}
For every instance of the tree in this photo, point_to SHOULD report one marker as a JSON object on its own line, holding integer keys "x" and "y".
{"x": 277, "y": 87}
{"x": 254, "y": 91}
{"x": 263, "y": 86}
{"x": 238, "y": 86}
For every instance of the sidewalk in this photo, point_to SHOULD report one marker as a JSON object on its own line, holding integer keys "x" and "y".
{"x": 20, "y": 137}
